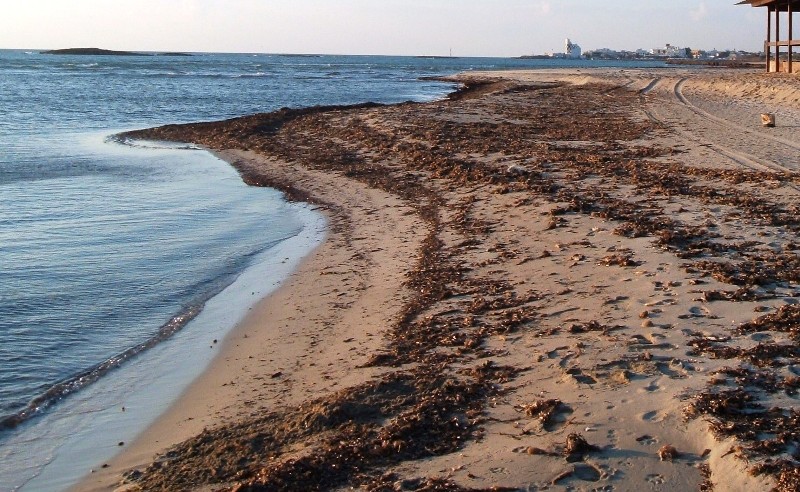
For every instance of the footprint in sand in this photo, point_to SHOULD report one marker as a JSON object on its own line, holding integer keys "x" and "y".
{"x": 672, "y": 371}
{"x": 761, "y": 337}
{"x": 651, "y": 388}
{"x": 655, "y": 479}
{"x": 587, "y": 473}
{"x": 647, "y": 440}
{"x": 649, "y": 416}
{"x": 698, "y": 312}
{"x": 579, "y": 377}
{"x": 612, "y": 437}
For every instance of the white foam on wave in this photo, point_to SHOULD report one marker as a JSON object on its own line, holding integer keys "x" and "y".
{"x": 151, "y": 144}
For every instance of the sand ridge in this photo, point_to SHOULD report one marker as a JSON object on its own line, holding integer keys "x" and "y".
{"x": 591, "y": 285}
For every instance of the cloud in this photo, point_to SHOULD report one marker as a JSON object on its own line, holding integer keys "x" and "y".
{"x": 699, "y": 13}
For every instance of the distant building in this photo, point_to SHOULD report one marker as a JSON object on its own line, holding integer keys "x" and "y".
{"x": 670, "y": 51}
{"x": 572, "y": 50}
{"x": 603, "y": 53}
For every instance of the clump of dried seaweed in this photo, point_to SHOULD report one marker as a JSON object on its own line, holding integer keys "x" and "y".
{"x": 577, "y": 447}
{"x": 740, "y": 295}
{"x": 707, "y": 485}
{"x": 785, "y": 320}
{"x": 761, "y": 355}
{"x": 787, "y": 473}
{"x": 764, "y": 433}
{"x": 760, "y": 268}
{"x": 733, "y": 403}
{"x": 668, "y": 452}
{"x": 593, "y": 326}
{"x": 723, "y": 403}
{"x": 545, "y": 410}
{"x": 620, "y": 258}
{"x": 403, "y": 416}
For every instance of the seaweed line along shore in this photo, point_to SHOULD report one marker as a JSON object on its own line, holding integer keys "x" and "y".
{"x": 554, "y": 279}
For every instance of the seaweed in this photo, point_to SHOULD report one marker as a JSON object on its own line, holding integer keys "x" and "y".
{"x": 785, "y": 320}
{"x": 417, "y": 153}
{"x": 545, "y": 410}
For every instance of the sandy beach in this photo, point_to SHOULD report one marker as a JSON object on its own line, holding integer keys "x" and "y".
{"x": 553, "y": 280}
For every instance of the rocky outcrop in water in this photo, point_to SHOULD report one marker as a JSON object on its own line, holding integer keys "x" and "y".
{"x": 98, "y": 51}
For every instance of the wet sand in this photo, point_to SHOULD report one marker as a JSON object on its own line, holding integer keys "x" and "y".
{"x": 554, "y": 280}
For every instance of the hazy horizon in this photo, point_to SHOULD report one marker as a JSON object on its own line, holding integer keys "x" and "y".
{"x": 389, "y": 27}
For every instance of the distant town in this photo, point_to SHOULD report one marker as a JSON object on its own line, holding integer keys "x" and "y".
{"x": 573, "y": 51}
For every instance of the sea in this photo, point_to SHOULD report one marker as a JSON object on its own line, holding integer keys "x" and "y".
{"x": 122, "y": 266}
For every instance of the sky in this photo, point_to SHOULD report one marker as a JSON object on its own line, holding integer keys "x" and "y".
{"x": 383, "y": 27}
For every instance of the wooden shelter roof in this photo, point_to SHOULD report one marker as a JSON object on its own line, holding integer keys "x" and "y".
{"x": 780, "y": 4}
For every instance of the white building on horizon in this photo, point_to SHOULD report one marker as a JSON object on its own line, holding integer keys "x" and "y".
{"x": 572, "y": 50}
{"x": 670, "y": 52}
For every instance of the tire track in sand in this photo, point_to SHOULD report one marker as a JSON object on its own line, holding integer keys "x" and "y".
{"x": 740, "y": 157}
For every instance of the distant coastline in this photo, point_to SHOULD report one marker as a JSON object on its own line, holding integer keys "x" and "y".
{"x": 724, "y": 63}
{"x": 102, "y": 52}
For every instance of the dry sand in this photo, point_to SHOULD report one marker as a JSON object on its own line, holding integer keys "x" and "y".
{"x": 542, "y": 285}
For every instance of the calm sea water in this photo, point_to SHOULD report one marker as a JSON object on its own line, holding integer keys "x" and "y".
{"x": 108, "y": 253}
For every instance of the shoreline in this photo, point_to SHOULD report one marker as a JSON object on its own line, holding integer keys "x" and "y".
{"x": 208, "y": 399}
{"x": 56, "y": 448}
{"x": 550, "y": 277}
{"x": 99, "y": 420}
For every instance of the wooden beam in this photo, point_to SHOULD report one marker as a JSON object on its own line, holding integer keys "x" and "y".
{"x": 792, "y": 42}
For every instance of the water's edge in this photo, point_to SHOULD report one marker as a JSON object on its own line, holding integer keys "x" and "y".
{"x": 160, "y": 364}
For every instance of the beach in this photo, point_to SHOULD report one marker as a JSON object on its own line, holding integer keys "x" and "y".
{"x": 554, "y": 279}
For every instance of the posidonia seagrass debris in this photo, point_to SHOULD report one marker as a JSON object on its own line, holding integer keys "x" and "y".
{"x": 572, "y": 147}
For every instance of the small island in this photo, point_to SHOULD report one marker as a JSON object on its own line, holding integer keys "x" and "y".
{"x": 102, "y": 52}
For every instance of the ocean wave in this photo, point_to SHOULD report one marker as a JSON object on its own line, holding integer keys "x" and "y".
{"x": 81, "y": 65}
{"x": 313, "y": 77}
{"x": 60, "y": 390}
{"x": 209, "y": 288}
{"x": 251, "y": 75}
{"x": 208, "y": 75}
{"x": 149, "y": 144}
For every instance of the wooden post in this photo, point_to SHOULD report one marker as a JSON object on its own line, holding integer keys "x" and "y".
{"x": 777, "y": 38}
{"x": 791, "y": 36}
{"x": 767, "y": 47}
